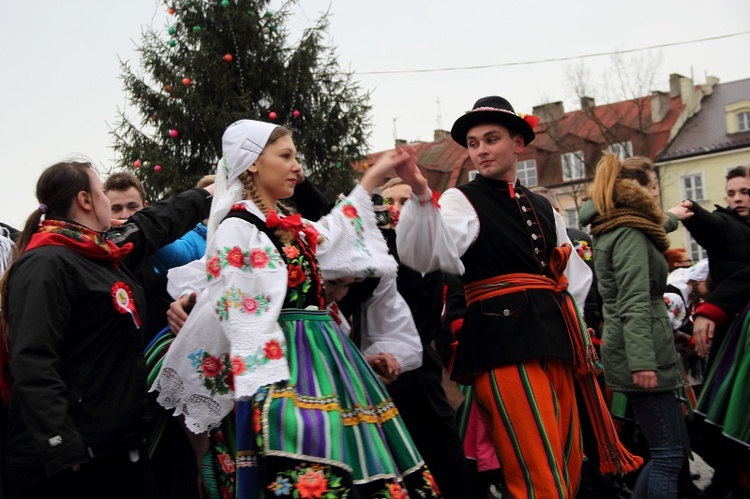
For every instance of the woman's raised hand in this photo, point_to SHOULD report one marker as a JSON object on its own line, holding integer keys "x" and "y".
{"x": 387, "y": 163}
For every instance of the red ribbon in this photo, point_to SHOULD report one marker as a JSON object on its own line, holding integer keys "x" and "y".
{"x": 295, "y": 224}
{"x": 122, "y": 297}
{"x": 291, "y": 222}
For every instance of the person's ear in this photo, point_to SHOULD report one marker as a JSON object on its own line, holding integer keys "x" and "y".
{"x": 84, "y": 201}
{"x": 145, "y": 203}
{"x": 518, "y": 144}
{"x": 253, "y": 168}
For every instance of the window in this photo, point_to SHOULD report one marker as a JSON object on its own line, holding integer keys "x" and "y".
{"x": 571, "y": 216}
{"x": 692, "y": 187}
{"x": 527, "y": 172}
{"x": 696, "y": 251}
{"x": 623, "y": 150}
{"x": 572, "y": 165}
{"x": 743, "y": 122}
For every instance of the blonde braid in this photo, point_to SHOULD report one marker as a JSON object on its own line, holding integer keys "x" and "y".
{"x": 252, "y": 193}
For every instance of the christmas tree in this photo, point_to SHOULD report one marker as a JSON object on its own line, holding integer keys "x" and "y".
{"x": 224, "y": 60}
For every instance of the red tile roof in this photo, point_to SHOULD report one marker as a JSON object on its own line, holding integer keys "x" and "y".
{"x": 445, "y": 163}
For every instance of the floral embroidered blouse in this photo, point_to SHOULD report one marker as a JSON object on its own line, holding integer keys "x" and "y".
{"x": 232, "y": 344}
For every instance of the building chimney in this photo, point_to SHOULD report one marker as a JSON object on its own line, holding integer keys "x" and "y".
{"x": 659, "y": 106}
{"x": 587, "y": 103}
{"x": 441, "y": 134}
{"x": 674, "y": 84}
{"x": 400, "y": 142}
{"x": 708, "y": 87}
{"x": 552, "y": 111}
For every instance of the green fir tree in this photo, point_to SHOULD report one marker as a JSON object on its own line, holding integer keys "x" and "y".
{"x": 219, "y": 61}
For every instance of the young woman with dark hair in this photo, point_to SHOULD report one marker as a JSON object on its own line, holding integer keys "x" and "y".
{"x": 73, "y": 346}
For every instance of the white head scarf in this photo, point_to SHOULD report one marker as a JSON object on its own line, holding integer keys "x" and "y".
{"x": 699, "y": 271}
{"x": 243, "y": 141}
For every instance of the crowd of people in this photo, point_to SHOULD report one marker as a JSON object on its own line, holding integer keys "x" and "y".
{"x": 249, "y": 338}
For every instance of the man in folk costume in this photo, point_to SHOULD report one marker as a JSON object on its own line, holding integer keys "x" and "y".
{"x": 523, "y": 341}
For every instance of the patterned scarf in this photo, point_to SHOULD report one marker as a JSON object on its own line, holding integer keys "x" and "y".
{"x": 628, "y": 217}
{"x": 84, "y": 241}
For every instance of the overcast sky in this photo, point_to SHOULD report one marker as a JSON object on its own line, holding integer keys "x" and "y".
{"x": 60, "y": 86}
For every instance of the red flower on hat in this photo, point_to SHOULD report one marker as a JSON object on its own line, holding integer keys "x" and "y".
{"x": 532, "y": 120}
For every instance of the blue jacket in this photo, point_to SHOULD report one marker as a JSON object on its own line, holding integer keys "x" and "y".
{"x": 186, "y": 249}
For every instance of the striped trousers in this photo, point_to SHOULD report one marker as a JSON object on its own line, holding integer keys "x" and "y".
{"x": 531, "y": 410}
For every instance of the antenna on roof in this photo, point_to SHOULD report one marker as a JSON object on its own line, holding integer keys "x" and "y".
{"x": 395, "y": 132}
{"x": 439, "y": 115}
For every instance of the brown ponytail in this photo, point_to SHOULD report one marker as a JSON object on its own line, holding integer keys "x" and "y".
{"x": 609, "y": 170}
{"x": 56, "y": 189}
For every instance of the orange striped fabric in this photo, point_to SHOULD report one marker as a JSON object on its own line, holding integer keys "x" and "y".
{"x": 614, "y": 457}
{"x": 531, "y": 410}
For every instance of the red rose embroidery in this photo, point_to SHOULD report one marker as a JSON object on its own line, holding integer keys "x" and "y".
{"x": 238, "y": 366}
{"x": 258, "y": 258}
{"x": 213, "y": 267}
{"x": 250, "y": 304}
{"x": 312, "y": 484}
{"x": 227, "y": 464}
{"x": 235, "y": 257}
{"x": 396, "y": 491}
{"x": 211, "y": 367}
{"x": 349, "y": 211}
{"x": 291, "y": 252}
{"x": 273, "y": 350}
{"x": 296, "y": 275}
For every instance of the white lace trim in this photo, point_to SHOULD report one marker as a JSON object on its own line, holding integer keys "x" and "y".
{"x": 203, "y": 412}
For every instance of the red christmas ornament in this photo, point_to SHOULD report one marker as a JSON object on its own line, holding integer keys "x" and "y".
{"x": 296, "y": 113}
{"x": 137, "y": 163}
{"x": 153, "y": 117}
{"x": 228, "y": 57}
{"x": 157, "y": 168}
{"x": 186, "y": 82}
{"x": 171, "y": 11}
{"x": 174, "y": 133}
{"x": 272, "y": 115}
{"x": 168, "y": 88}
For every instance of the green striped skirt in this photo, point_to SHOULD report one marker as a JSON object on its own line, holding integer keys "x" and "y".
{"x": 331, "y": 430}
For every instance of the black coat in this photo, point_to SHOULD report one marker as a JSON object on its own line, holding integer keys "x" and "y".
{"x": 725, "y": 236}
{"x": 78, "y": 372}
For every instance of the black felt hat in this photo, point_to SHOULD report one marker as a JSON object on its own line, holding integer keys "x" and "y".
{"x": 492, "y": 109}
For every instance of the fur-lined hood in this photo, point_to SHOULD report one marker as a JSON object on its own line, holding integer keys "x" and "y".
{"x": 628, "y": 193}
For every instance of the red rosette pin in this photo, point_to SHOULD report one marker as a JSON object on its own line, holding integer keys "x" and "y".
{"x": 122, "y": 298}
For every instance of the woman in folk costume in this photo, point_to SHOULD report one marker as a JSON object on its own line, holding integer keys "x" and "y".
{"x": 638, "y": 350}
{"x": 686, "y": 288}
{"x": 312, "y": 419}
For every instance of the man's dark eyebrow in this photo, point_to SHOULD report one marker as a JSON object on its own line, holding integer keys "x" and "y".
{"x": 483, "y": 135}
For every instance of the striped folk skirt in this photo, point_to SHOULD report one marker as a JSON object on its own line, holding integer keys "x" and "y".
{"x": 330, "y": 431}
